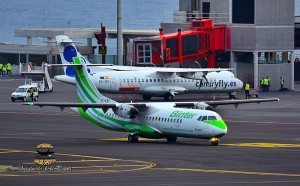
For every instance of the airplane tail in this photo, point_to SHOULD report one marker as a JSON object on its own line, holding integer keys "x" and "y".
{"x": 86, "y": 90}
{"x": 67, "y": 51}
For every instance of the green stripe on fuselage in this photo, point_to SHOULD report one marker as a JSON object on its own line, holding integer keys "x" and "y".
{"x": 220, "y": 123}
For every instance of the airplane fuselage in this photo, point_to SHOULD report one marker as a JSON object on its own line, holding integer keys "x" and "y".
{"x": 161, "y": 123}
{"x": 149, "y": 83}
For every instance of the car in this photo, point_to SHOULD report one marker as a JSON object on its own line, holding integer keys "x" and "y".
{"x": 23, "y": 93}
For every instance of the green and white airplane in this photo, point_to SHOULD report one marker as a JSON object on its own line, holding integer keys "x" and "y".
{"x": 149, "y": 120}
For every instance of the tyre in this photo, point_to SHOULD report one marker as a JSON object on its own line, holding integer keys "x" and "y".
{"x": 133, "y": 139}
{"x": 24, "y": 99}
{"x": 13, "y": 99}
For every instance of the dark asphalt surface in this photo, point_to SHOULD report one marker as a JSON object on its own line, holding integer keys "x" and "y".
{"x": 262, "y": 146}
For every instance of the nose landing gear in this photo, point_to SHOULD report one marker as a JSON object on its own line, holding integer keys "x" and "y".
{"x": 214, "y": 141}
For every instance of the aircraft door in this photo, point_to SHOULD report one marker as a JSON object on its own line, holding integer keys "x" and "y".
{"x": 112, "y": 83}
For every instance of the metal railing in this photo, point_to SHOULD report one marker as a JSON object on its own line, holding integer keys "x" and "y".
{"x": 186, "y": 17}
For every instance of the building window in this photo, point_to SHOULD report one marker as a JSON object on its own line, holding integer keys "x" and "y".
{"x": 205, "y": 9}
{"x": 243, "y": 11}
{"x": 144, "y": 53}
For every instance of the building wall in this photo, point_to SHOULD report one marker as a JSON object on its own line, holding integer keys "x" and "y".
{"x": 261, "y": 38}
{"x": 274, "y": 12}
{"x": 275, "y": 71}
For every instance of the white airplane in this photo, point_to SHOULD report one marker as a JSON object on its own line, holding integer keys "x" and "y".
{"x": 149, "y": 120}
{"x": 148, "y": 81}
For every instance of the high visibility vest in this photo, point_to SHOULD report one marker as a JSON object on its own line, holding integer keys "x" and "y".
{"x": 247, "y": 86}
{"x": 262, "y": 81}
{"x": 266, "y": 81}
{"x": 4, "y": 69}
{"x": 282, "y": 82}
{"x": 1, "y": 66}
{"x": 8, "y": 66}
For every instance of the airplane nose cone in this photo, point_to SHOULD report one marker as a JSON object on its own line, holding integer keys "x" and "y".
{"x": 222, "y": 129}
{"x": 240, "y": 84}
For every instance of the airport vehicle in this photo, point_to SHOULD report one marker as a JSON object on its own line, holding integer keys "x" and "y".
{"x": 150, "y": 120}
{"x": 40, "y": 78}
{"x": 148, "y": 81}
{"x": 23, "y": 93}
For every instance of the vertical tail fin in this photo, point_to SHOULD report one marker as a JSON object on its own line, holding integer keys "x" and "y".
{"x": 67, "y": 51}
{"x": 86, "y": 90}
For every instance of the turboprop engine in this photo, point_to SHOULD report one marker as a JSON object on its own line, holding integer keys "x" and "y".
{"x": 126, "y": 110}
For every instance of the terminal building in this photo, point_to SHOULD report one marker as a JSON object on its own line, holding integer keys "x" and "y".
{"x": 261, "y": 36}
{"x": 261, "y": 39}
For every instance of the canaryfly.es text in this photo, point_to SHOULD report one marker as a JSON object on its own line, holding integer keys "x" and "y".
{"x": 215, "y": 84}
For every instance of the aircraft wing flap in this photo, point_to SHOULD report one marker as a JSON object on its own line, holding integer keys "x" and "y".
{"x": 242, "y": 101}
{"x": 83, "y": 105}
{"x": 224, "y": 102}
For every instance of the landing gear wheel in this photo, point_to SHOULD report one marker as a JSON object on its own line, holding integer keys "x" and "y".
{"x": 172, "y": 139}
{"x": 133, "y": 138}
{"x": 214, "y": 141}
{"x": 168, "y": 97}
{"x": 146, "y": 98}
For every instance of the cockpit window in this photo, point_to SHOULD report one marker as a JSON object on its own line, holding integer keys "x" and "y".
{"x": 199, "y": 119}
{"x": 204, "y": 118}
{"x": 212, "y": 118}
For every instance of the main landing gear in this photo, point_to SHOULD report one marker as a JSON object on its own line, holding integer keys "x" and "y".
{"x": 133, "y": 138}
{"x": 214, "y": 141}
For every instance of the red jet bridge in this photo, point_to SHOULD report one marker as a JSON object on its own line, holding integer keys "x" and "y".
{"x": 202, "y": 40}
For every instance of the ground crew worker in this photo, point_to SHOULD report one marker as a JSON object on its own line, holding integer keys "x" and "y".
{"x": 262, "y": 83}
{"x": 266, "y": 84}
{"x": 247, "y": 90}
{"x": 31, "y": 94}
{"x": 281, "y": 84}
{"x": 3, "y": 70}
{"x": 8, "y": 68}
{"x": 1, "y": 66}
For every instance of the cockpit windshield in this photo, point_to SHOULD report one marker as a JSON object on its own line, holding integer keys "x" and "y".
{"x": 213, "y": 118}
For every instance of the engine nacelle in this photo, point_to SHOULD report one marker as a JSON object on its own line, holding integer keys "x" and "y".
{"x": 126, "y": 110}
{"x": 192, "y": 75}
{"x": 203, "y": 106}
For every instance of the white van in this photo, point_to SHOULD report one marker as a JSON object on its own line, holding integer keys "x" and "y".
{"x": 23, "y": 93}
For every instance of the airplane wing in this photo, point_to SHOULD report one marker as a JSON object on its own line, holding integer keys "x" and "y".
{"x": 213, "y": 104}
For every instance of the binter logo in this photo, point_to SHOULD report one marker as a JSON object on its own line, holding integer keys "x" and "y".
{"x": 215, "y": 84}
{"x": 180, "y": 114}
